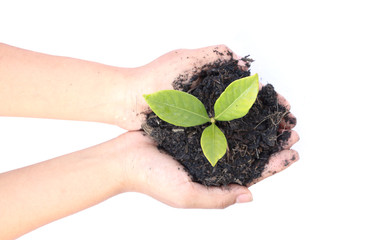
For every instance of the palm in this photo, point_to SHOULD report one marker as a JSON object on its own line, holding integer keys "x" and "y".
{"x": 159, "y": 175}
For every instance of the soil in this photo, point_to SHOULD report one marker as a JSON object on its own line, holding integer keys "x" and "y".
{"x": 251, "y": 139}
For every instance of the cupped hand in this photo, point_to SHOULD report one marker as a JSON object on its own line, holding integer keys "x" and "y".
{"x": 287, "y": 156}
{"x": 163, "y": 178}
{"x": 162, "y": 73}
{"x": 152, "y": 172}
{"x": 158, "y": 175}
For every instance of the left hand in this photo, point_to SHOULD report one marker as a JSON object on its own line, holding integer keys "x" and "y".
{"x": 147, "y": 170}
{"x": 161, "y": 73}
{"x": 152, "y": 172}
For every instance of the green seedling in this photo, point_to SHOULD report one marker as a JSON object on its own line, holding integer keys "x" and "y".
{"x": 185, "y": 110}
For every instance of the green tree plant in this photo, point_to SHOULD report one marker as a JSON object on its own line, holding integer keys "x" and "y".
{"x": 185, "y": 110}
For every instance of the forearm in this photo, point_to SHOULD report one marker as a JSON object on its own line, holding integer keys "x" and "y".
{"x": 41, "y": 193}
{"x": 44, "y": 86}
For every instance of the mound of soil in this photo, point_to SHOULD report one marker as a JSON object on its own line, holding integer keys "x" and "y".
{"x": 251, "y": 139}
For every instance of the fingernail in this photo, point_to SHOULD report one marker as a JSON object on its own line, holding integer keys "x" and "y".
{"x": 243, "y": 198}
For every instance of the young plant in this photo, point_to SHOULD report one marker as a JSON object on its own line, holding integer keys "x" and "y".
{"x": 185, "y": 110}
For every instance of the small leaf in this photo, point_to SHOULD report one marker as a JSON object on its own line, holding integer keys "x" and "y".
{"x": 178, "y": 108}
{"x": 237, "y": 99}
{"x": 213, "y": 143}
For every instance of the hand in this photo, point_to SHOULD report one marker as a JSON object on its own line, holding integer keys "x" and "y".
{"x": 161, "y": 73}
{"x": 130, "y": 162}
{"x": 282, "y": 159}
{"x": 158, "y": 175}
{"x": 163, "y": 178}
{"x": 185, "y": 62}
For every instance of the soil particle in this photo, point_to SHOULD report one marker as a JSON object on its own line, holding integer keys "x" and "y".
{"x": 283, "y": 138}
{"x": 290, "y": 120}
{"x": 251, "y": 139}
{"x": 287, "y": 162}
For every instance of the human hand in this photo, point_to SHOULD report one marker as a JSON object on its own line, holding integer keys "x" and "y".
{"x": 287, "y": 156}
{"x": 278, "y": 161}
{"x": 150, "y": 171}
{"x": 162, "y": 73}
{"x": 158, "y": 175}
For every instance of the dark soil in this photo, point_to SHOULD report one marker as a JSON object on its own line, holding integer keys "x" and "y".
{"x": 251, "y": 139}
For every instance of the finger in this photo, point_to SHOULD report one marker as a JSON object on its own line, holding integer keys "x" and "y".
{"x": 277, "y": 163}
{"x": 243, "y": 63}
{"x": 282, "y": 100}
{"x": 188, "y": 62}
{"x": 288, "y": 122}
{"x": 223, "y": 52}
{"x": 216, "y": 197}
{"x": 288, "y": 138}
{"x": 212, "y": 53}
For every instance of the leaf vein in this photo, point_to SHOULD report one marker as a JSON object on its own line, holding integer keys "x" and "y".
{"x": 183, "y": 109}
{"x": 237, "y": 99}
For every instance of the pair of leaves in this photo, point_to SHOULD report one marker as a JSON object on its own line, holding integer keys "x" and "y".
{"x": 185, "y": 110}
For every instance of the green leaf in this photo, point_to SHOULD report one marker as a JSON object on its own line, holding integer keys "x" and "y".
{"x": 178, "y": 108}
{"x": 213, "y": 143}
{"x": 237, "y": 99}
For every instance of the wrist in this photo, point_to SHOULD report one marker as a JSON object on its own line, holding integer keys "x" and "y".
{"x": 130, "y": 107}
{"x": 127, "y": 105}
{"x": 124, "y": 161}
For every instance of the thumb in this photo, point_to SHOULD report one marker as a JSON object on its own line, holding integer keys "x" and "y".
{"x": 218, "y": 197}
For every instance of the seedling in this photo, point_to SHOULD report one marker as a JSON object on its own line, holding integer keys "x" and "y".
{"x": 185, "y": 110}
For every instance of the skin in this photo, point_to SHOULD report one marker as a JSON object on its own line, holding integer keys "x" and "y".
{"x": 43, "y": 86}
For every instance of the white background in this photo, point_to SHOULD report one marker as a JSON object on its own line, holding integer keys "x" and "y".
{"x": 313, "y": 52}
